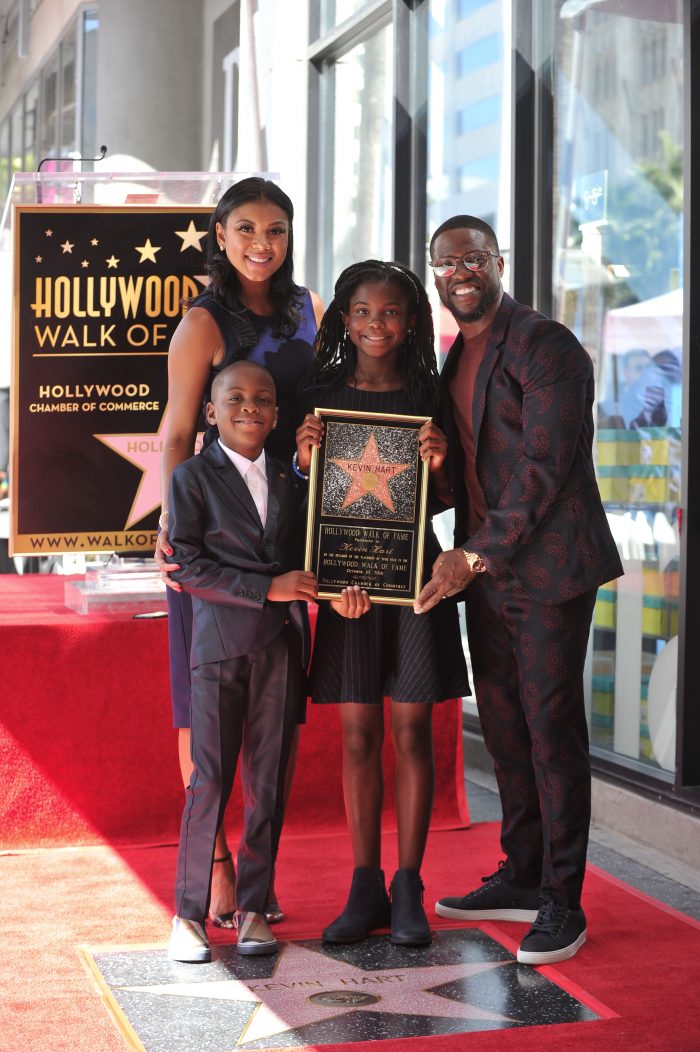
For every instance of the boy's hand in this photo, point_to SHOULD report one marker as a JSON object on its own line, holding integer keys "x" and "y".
{"x": 163, "y": 548}
{"x": 308, "y": 434}
{"x": 433, "y": 445}
{"x": 297, "y": 584}
{"x": 354, "y": 602}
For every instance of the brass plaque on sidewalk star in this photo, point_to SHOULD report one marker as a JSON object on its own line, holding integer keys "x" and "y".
{"x": 367, "y": 498}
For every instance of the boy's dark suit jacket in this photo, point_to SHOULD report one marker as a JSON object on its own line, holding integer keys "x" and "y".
{"x": 533, "y": 433}
{"x": 227, "y": 559}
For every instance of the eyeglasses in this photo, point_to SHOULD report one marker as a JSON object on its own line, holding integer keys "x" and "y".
{"x": 474, "y": 261}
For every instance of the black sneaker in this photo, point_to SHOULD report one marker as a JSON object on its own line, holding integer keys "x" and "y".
{"x": 496, "y": 900}
{"x": 555, "y": 936}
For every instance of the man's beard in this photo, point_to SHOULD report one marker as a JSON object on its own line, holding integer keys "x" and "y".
{"x": 489, "y": 296}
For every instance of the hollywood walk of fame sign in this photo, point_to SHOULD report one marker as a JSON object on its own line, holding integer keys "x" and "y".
{"x": 99, "y": 292}
{"x": 366, "y": 514}
{"x": 310, "y": 995}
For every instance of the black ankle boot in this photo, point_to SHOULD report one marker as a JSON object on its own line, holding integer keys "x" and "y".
{"x": 409, "y": 924}
{"x": 367, "y": 908}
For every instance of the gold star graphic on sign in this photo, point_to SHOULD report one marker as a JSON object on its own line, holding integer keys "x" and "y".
{"x": 148, "y": 251}
{"x": 49, "y": 233}
{"x": 112, "y": 262}
{"x": 38, "y": 259}
{"x": 370, "y": 475}
{"x": 84, "y": 263}
{"x": 94, "y": 241}
{"x": 67, "y": 247}
{"x": 191, "y": 238}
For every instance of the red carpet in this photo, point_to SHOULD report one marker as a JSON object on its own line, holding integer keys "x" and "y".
{"x": 90, "y": 755}
{"x": 640, "y": 968}
{"x": 642, "y": 961}
{"x": 89, "y": 758}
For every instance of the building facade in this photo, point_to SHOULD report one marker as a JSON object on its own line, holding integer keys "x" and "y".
{"x": 569, "y": 125}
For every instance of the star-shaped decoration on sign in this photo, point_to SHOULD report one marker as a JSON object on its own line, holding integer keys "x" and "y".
{"x": 148, "y": 251}
{"x": 94, "y": 241}
{"x": 84, "y": 263}
{"x": 112, "y": 262}
{"x": 144, "y": 451}
{"x": 48, "y": 233}
{"x": 191, "y": 238}
{"x": 38, "y": 259}
{"x": 308, "y": 987}
{"x": 67, "y": 246}
{"x": 370, "y": 475}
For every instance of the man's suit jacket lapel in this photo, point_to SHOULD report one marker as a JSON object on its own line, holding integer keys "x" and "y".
{"x": 488, "y": 364}
{"x": 233, "y": 479}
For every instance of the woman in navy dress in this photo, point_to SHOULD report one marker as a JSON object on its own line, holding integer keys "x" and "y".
{"x": 252, "y": 309}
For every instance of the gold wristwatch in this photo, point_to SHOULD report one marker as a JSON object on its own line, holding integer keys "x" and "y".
{"x": 475, "y": 563}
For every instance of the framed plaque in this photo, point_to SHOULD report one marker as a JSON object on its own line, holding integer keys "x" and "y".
{"x": 367, "y": 497}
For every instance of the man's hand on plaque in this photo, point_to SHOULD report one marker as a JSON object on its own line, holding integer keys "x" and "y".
{"x": 451, "y": 574}
{"x": 308, "y": 434}
{"x": 353, "y": 603}
{"x": 433, "y": 445}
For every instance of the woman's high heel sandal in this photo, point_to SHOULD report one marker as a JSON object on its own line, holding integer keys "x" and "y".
{"x": 225, "y": 920}
{"x": 367, "y": 908}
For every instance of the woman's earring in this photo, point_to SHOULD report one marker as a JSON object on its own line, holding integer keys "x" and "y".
{"x": 221, "y": 246}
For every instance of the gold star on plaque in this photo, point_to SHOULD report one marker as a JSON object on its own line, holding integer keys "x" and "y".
{"x": 191, "y": 238}
{"x": 49, "y": 233}
{"x": 112, "y": 262}
{"x": 67, "y": 246}
{"x": 38, "y": 259}
{"x": 148, "y": 251}
{"x": 94, "y": 241}
{"x": 84, "y": 263}
{"x": 370, "y": 475}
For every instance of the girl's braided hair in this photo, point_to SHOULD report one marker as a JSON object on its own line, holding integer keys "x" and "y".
{"x": 336, "y": 356}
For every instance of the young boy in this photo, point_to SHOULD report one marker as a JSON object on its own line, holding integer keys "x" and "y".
{"x": 234, "y": 529}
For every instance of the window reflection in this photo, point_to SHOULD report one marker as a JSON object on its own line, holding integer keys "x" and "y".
{"x": 360, "y": 84}
{"x": 617, "y": 275}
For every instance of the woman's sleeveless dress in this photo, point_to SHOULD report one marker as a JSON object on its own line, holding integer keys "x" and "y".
{"x": 288, "y": 360}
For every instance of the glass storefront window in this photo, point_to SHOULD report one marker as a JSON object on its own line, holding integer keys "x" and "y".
{"x": 31, "y": 129}
{"x": 359, "y": 90}
{"x": 4, "y": 159}
{"x": 468, "y": 125}
{"x": 17, "y": 137}
{"x": 618, "y": 212}
{"x": 49, "y": 109}
{"x": 88, "y": 135}
{"x": 334, "y": 12}
{"x": 69, "y": 127}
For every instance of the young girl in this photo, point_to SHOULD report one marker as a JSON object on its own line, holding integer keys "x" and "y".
{"x": 375, "y": 354}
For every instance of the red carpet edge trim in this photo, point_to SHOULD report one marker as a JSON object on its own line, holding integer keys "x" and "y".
{"x": 644, "y": 897}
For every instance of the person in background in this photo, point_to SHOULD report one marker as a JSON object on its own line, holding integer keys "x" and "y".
{"x": 253, "y": 310}
{"x": 533, "y": 545}
{"x": 375, "y": 354}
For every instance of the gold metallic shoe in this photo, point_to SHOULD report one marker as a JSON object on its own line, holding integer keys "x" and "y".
{"x": 254, "y": 936}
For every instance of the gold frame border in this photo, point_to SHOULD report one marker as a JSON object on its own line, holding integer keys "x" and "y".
{"x": 385, "y": 419}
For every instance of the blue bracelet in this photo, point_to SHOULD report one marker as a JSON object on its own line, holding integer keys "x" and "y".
{"x": 296, "y": 469}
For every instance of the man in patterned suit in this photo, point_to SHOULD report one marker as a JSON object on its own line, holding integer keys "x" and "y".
{"x": 533, "y": 547}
